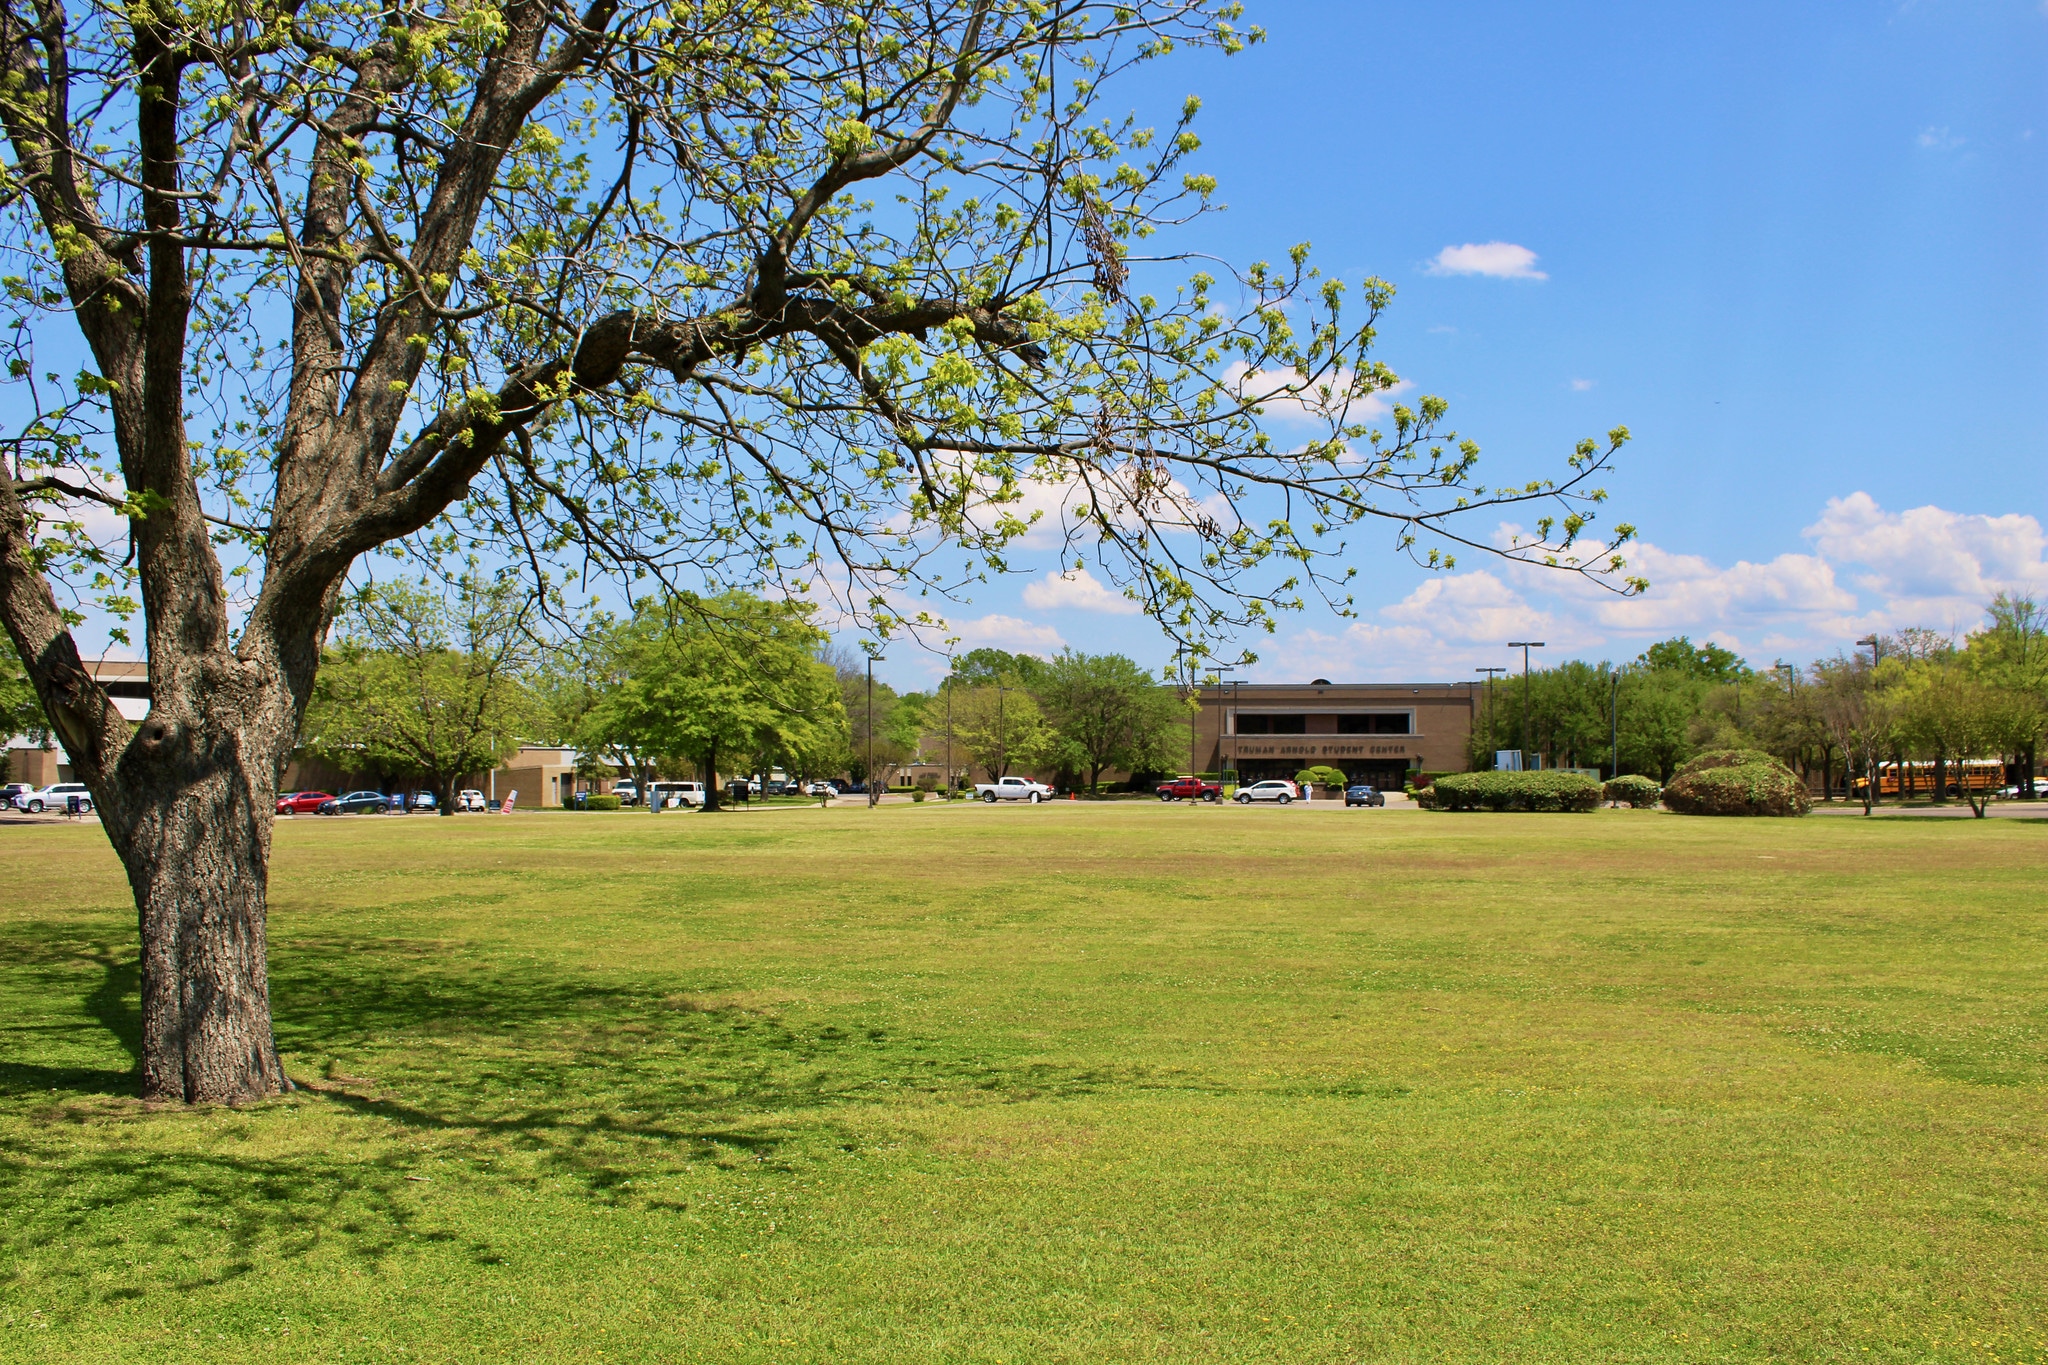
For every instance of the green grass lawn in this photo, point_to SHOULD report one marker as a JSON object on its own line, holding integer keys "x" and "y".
{"x": 1069, "y": 1083}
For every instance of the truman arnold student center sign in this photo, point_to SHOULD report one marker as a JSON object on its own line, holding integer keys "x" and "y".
{"x": 1372, "y": 732}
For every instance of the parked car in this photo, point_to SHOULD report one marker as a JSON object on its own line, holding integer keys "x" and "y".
{"x": 362, "y": 803}
{"x": 674, "y": 795}
{"x": 12, "y": 790}
{"x": 825, "y": 789}
{"x": 470, "y": 799}
{"x": 1272, "y": 789}
{"x": 1363, "y": 795}
{"x": 420, "y": 801}
{"x": 301, "y": 803}
{"x": 1013, "y": 789}
{"x": 627, "y": 792}
{"x": 1188, "y": 789}
{"x": 56, "y": 796}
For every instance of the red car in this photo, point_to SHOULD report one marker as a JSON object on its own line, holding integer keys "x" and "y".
{"x": 301, "y": 803}
{"x": 1189, "y": 789}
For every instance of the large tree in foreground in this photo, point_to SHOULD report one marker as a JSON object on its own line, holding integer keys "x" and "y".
{"x": 828, "y": 294}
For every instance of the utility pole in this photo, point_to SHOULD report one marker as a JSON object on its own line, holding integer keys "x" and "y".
{"x": 873, "y": 795}
{"x": 1614, "y": 722}
{"x": 1525, "y": 646}
{"x": 948, "y": 686}
{"x": 1002, "y": 734}
{"x": 1492, "y": 739}
{"x": 1226, "y": 716}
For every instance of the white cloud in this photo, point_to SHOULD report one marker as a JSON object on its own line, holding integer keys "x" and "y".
{"x": 1930, "y": 551}
{"x": 1582, "y": 385}
{"x": 1927, "y": 566}
{"x": 1008, "y": 632}
{"x": 1077, "y": 590}
{"x": 1500, "y": 260}
{"x": 1940, "y": 139}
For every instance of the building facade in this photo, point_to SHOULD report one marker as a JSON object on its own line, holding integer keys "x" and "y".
{"x": 1372, "y": 732}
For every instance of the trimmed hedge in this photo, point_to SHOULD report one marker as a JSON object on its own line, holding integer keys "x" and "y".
{"x": 606, "y": 802}
{"x": 1632, "y": 790}
{"x": 1538, "y": 791}
{"x": 1737, "y": 782}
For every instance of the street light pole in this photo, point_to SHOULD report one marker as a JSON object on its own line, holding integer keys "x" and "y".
{"x": 1525, "y": 646}
{"x": 1614, "y": 722}
{"x": 1491, "y": 737}
{"x": 873, "y": 795}
{"x": 1002, "y": 733}
{"x": 1791, "y": 677}
{"x": 1871, "y": 640}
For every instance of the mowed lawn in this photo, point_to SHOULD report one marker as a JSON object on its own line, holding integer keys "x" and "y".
{"x": 1073, "y": 1083}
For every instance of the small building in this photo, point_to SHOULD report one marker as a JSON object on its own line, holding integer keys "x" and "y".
{"x": 39, "y": 764}
{"x": 1378, "y": 733}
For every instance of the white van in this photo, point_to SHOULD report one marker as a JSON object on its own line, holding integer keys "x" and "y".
{"x": 674, "y": 795}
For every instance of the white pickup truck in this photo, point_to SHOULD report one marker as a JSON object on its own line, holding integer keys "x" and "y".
{"x": 1013, "y": 789}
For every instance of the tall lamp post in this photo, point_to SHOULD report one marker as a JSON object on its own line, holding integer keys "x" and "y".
{"x": 1872, "y": 640}
{"x": 1002, "y": 733}
{"x": 1491, "y": 737}
{"x": 1791, "y": 677}
{"x": 1525, "y": 646}
{"x": 873, "y": 795}
{"x": 1228, "y": 717}
{"x": 1614, "y": 722}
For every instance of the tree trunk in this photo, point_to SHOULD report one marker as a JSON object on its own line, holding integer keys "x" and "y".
{"x": 710, "y": 777}
{"x": 1940, "y": 780}
{"x": 194, "y": 805}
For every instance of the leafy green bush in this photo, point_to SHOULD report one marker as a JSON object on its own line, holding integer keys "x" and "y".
{"x": 1633, "y": 790}
{"x": 1512, "y": 791}
{"x": 605, "y": 802}
{"x": 919, "y": 793}
{"x": 1737, "y": 782}
{"x": 1321, "y": 775}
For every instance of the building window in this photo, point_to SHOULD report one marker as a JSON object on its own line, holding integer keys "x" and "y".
{"x": 1381, "y": 724}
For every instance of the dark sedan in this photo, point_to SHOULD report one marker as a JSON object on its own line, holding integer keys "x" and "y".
{"x": 298, "y": 803}
{"x": 1362, "y": 795}
{"x": 362, "y": 803}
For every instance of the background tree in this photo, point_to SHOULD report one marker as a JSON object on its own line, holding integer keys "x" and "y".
{"x": 1107, "y": 712}
{"x": 20, "y": 713}
{"x": 2011, "y": 653}
{"x": 723, "y": 678}
{"x": 746, "y": 294}
{"x": 426, "y": 683}
{"x": 999, "y": 728}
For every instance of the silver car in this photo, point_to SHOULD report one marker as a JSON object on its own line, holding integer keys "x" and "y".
{"x": 1272, "y": 789}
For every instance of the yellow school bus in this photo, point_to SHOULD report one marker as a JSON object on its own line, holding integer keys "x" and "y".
{"x": 1917, "y": 779}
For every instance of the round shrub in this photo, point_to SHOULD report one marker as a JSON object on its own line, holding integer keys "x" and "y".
{"x": 1737, "y": 782}
{"x": 608, "y": 801}
{"x": 1632, "y": 790}
{"x": 1513, "y": 791}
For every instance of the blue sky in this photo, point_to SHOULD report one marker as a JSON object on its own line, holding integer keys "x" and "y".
{"x": 1800, "y": 250}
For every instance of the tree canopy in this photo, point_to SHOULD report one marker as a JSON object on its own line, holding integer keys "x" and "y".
{"x": 831, "y": 298}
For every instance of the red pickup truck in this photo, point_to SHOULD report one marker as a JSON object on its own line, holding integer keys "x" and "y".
{"x": 1189, "y": 789}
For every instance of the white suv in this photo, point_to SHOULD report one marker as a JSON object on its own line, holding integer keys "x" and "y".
{"x": 53, "y": 797}
{"x": 1273, "y": 789}
{"x": 674, "y": 795}
{"x": 469, "y": 798}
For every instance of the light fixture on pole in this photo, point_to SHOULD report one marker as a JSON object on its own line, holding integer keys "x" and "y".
{"x": 1491, "y": 737}
{"x": 1002, "y": 735}
{"x": 1791, "y": 677}
{"x": 1525, "y": 646}
{"x": 873, "y": 795}
{"x": 1229, "y": 719}
{"x": 1875, "y": 644}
